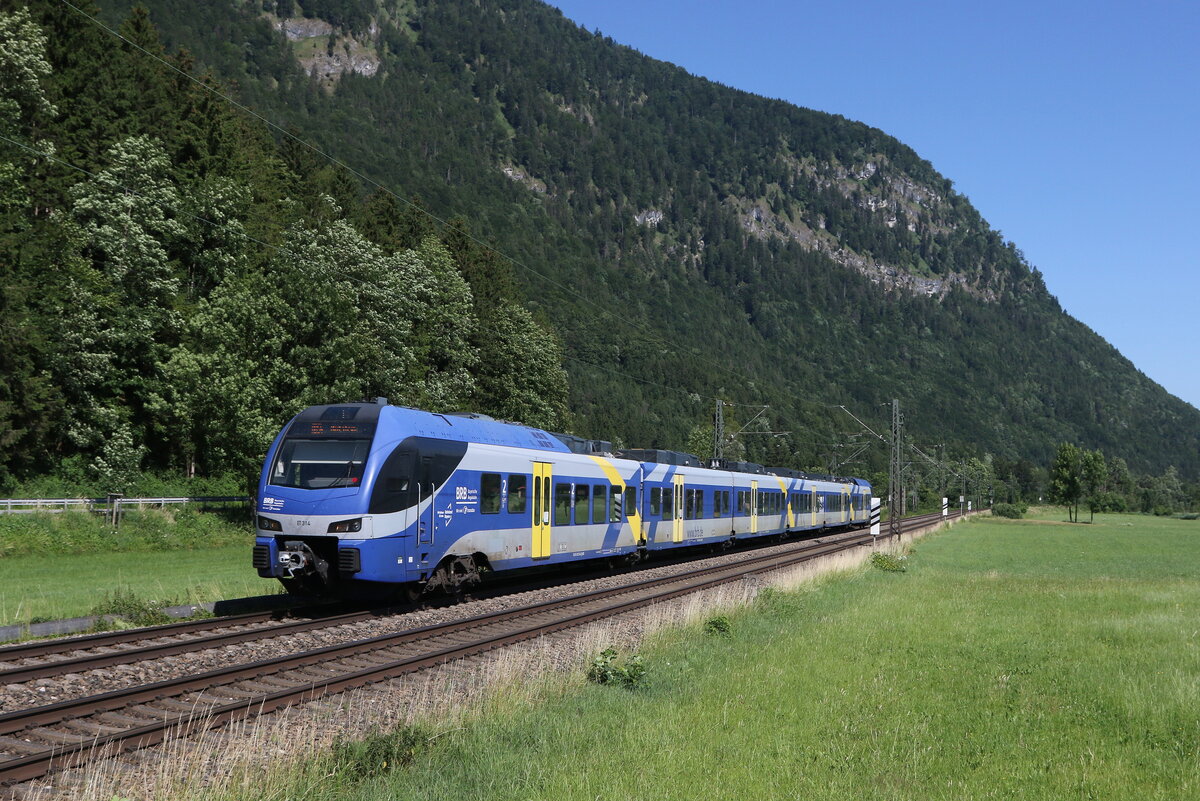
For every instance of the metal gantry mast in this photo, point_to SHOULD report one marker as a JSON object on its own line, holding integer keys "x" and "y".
{"x": 895, "y": 478}
{"x": 718, "y": 433}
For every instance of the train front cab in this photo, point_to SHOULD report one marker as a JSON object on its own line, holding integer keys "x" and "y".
{"x": 345, "y": 497}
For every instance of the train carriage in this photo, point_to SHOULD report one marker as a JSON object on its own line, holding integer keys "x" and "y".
{"x": 370, "y": 496}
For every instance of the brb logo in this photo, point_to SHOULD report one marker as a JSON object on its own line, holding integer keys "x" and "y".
{"x": 272, "y": 504}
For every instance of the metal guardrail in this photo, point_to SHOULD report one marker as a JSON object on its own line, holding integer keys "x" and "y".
{"x": 52, "y": 505}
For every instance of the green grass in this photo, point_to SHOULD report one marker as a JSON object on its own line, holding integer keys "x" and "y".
{"x": 51, "y": 587}
{"x": 67, "y": 565}
{"x": 168, "y": 529}
{"x": 1012, "y": 659}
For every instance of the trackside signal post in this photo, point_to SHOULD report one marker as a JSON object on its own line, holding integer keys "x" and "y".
{"x": 874, "y": 520}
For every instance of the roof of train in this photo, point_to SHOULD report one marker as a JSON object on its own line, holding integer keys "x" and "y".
{"x": 403, "y": 421}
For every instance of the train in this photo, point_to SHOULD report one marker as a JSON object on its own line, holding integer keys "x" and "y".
{"x": 371, "y": 499}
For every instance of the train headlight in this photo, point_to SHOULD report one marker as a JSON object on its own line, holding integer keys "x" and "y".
{"x": 267, "y": 524}
{"x": 346, "y": 526}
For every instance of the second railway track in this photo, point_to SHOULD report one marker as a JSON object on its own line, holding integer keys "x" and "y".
{"x": 38, "y": 740}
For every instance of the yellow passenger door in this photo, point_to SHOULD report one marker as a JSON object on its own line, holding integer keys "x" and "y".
{"x": 677, "y": 523}
{"x": 542, "y": 472}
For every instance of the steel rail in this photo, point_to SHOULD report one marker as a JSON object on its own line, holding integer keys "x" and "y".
{"x": 211, "y": 715}
{"x": 24, "y": 673}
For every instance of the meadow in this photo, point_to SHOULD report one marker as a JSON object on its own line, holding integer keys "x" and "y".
{"x": 72, "y": 564}
{"x": 1025, "y": 659}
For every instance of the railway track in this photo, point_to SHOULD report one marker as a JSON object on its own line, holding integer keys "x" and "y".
{"x": 38, "y": 740}
{"x": 44, "y": 659}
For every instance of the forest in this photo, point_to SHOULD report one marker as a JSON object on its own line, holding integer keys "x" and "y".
{"x": 170, "y": 298}
{"x": 514, "y": 216}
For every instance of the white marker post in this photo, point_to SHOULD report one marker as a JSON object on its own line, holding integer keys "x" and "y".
{"x": 945, "y": 507}
{"x": 874, "y": 520}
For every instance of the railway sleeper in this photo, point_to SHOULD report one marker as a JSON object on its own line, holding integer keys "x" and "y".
{"x": 216, "y": 699}
{"x": 239, "y": 694}
{"x": 359, "y": 663}
{"x": 57, "y": 736}
{"x": 12, "y": 745}
{"x": 91, "y": 727}
{"x": 184, "y": 707}
{"x": 125, "y": 720}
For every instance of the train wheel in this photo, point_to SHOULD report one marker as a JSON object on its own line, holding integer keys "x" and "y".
{"x": 455, "y": 575}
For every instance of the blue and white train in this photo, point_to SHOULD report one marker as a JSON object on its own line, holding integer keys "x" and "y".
{"x": 362, "y": 497}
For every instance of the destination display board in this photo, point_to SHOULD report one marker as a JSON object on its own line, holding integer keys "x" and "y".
{"x": 331, "y": 429}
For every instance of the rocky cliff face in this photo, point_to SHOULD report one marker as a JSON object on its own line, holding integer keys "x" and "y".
{"x": 327, "y": 54}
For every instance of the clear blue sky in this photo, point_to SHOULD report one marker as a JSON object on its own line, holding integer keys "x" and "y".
{"x": 1074, "y": 127}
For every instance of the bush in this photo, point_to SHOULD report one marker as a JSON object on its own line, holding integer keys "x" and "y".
{"x": 134, "y": 610}
{"x": 1009, "y": 510}
{"x": 889, "y": 562}
{"x": 1107, "y": 502}
{"x": 718, "y": 626}
{"x": 605, "y": 670}
{"x": 378, "y": 753}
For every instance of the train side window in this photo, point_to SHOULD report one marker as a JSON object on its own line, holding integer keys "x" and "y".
{"x": 725, "y": 501}
{"x": 743, "y": 502}
{"x": 562, "y": 504}
{"x": 717, "y": 503}
{"x": 631, "y": 507}
{"x": 489, "y": 493}
{"x": 655, "y": 500}
{"x": 599, "y": 503}
{"x": 614, "y": 506}
{"x": 699, "y": 503}
{"x": 668, "y": 510}
{"x": 581, "y": 504}
{"x": 689, "y": 504}
{"x": 516, "y": 493}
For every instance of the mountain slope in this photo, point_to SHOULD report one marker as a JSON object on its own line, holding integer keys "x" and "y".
{"x": 685, "y": 237}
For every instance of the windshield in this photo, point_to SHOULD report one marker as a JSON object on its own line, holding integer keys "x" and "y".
{"x": 320, "y": 463}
